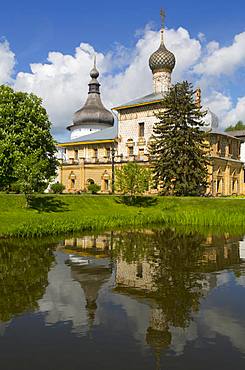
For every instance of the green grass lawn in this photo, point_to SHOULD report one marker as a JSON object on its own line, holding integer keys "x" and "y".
{"x": 52, "y": 215}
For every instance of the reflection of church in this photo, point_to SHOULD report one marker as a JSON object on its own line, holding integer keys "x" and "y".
{"x": 93, "y": 276}
{"x": 138, "y": 277}
{"x": 98, "y": 142}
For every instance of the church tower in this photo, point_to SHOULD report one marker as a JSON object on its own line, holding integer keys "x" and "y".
{"x": 93, "y": 116}
{"x": 162, "y": 63}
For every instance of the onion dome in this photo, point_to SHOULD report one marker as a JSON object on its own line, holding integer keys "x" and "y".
{"x": 162, "y": 59}
{"x": 93, "y": 111}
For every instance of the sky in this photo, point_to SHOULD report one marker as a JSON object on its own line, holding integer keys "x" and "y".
{"x": 48, "y": 47}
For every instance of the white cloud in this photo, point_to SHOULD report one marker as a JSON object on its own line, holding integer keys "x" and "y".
{"x": 237, "y": 113}
{"x": 223, "y": 60}
{"x": 218, "y": 103}
{"x": 7, "y": 62}
{"x": 125, "y": 74}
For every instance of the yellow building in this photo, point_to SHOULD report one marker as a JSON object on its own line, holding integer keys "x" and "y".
{"x": 100, "y": 142}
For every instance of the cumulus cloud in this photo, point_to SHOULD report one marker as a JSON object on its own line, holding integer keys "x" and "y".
{"x": 223, "y": 60}
{"x": 125, "y": 74}
{"x": 7, "y": 62}
{"x": 237, "y": 113}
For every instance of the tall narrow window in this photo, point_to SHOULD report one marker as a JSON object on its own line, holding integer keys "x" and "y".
{"x": 96, "y": 153}
{"x": 139, "y": 273}
{"x": 108, "y": 152}
{"x": 130, "y": 150}
{"x": 141, "y": 129}
{"x": 76, "y": 155}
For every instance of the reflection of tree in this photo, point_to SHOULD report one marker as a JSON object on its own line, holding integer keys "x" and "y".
{"x": 176, "y": 277}
{"x": 24, "y": 270}
{"x": 174, "y": 259}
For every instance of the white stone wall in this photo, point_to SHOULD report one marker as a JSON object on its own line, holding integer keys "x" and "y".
{"x": 161, "y": 82}
{"x": 128, "y": 128}
{"x": 79, "y": 131}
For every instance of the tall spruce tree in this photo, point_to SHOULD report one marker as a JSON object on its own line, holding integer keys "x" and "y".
{"x": 179, "y": 149}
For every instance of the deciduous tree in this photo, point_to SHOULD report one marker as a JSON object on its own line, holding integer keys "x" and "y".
{"x": 27, "y": 147}
{"x": 132, "y": 179}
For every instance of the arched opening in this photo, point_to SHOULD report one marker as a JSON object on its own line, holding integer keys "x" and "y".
{"x": 234, "y": 182}
{"x": 90, "y": 181}
{"x": 105, "y": 185}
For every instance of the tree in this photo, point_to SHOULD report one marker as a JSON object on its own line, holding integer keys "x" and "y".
{"x": 132, "y": 179}
{"x": 57, "y": 188}
{"x": 179, "y": 150}
{"x": 238, "y": 126}
{"x": 26, "y": 145}
{"x": 93, "y": 188}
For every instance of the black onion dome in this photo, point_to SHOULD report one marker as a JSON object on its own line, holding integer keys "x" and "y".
{"x": 93, "y": 111}
{"x": 162, "y": 59}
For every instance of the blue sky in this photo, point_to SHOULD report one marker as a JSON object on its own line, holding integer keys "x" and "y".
{"x": 33, "y": 29}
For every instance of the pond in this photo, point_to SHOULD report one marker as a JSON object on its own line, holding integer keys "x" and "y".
{"x": 146, "y": 299}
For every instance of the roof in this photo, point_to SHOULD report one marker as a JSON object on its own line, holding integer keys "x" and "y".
{"x": 237, "y": 133}
{"x": 147, "y": 99}
{"x": 107, "y": 134}
{"x": 219, "y": 132}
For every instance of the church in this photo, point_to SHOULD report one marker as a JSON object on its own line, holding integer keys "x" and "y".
{"x": 101, "y": 141}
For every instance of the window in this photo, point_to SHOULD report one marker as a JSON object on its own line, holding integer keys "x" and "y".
{"x": 72, "y": 183}
{"x": 76, "y": 155}
{"x": 108, "y": 152}
{"x": 141, "y": 129}
{"x": 139, "y": 273}
{"x": 130, "y": 150}
{"x": 141, "y": 153}
{"x": 96, "y": 153}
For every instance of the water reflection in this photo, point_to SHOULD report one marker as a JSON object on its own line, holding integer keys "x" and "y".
{"x": 24, "y": 268}
{"x": 164, "y": 294}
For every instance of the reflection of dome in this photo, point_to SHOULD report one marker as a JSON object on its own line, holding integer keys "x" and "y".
{"x": 211, "y": 120}
{"x": 162, "y": 59}
{"x": 91, "y": 279}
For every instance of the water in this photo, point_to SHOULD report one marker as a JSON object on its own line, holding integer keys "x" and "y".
{"x": 146, "y": 300}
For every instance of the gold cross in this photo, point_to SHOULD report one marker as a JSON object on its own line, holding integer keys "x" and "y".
{"x": 163, "y": 16}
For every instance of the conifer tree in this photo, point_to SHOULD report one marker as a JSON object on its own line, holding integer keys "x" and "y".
{"x": 179, "y": 150}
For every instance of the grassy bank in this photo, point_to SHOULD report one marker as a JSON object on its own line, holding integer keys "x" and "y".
{"x": 52, "y": 215}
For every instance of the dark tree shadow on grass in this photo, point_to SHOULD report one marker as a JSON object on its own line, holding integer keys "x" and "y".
{"x": 47, "y": 204}
{"x": 137, "y": 201}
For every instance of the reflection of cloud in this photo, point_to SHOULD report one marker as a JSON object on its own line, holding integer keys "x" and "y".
{"x": 224, "y": 278}
{"x": 64, "y": 299}
{"x": 225, "y": 325}
{"x": 241, "y": 280}
{"x": 180, "y": 337}
{"x": 138, "y": 315}
{"x": 3, "y": 327}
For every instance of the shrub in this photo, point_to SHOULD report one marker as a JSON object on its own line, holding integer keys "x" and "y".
{"x": 93, "y": 188}
{"x": 57, "y": 188}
